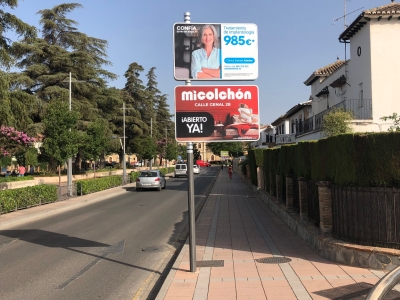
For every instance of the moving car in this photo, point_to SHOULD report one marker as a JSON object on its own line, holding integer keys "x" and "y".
{"x": 151, "y": 179}
{"x": 138, "y": 164}
{"x": 180, "y": 170}
{"x": 203, "y": 163}
{"x": 196, "y": 169}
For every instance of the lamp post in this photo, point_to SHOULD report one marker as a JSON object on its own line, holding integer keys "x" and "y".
{"x": 69, "y": 170}
{"x": 124, "y": 137}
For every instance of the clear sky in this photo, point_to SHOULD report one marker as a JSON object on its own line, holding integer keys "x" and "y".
{"x": 295, "y": 38}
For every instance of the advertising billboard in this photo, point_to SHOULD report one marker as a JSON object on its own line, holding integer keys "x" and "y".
{"x": 217, "y": 113}
{"x": 224, "y": 154}
{"x": 209, "y": 51}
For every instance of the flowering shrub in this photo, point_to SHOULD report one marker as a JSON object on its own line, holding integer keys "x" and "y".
{"x": 12, "y": 140}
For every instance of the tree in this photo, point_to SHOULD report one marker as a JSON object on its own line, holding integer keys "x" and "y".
{"x": 148, "y": 148}
{"x": 171, "y": 151}
{"x": 12, "y": 142}
{"x": 396, "y": 122}
{"x": 336, "y": 122}
{"x": 47, "y": 61}
{"x": 61, "y": 137}
{"x": 235, "y": 149}
{"x": 11, "y": 22}
{"x": 96, "y": 142}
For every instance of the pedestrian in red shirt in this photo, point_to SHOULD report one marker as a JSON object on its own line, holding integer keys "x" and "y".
{"x": 21, "y": 171}
{"x": 230, "y": 172}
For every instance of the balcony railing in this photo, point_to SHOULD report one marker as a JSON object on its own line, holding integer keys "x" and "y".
{"x": 305, "y": 126}
{"x": 361, "y": 109}
{"x": 285, "y": 138}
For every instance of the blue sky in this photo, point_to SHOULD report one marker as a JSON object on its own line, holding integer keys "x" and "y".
{"x": 295, "y": 38}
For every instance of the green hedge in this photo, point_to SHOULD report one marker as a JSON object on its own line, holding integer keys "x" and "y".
{"x": 134, "y": 174}
{"x": 362, "y": 159}
{"x": 11, "y": 178}
{"x": 253, "y": 168}
{"x": 88, "y": 186}
{"x": 10, "y": 200}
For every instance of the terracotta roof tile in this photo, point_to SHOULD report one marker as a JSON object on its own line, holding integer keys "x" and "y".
{"x": 325, "y": 71}
{"x": 387, "y": 10}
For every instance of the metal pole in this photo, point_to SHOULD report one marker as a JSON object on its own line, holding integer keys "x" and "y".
{"x": 192, "y": 220}
{"x": 166, "y": 146}
{"x": 69, "y": 170}
{"x": 151, "y": 134}
{"x": 123, "y": 159}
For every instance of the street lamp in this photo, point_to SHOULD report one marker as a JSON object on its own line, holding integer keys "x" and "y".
{"x": 124, "y": 154}
{"x": 69, "y": 170}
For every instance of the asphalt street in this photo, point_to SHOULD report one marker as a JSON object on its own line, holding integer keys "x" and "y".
{"x": 110, "y": 249}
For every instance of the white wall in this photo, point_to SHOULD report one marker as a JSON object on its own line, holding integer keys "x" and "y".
{"x": 385, "y": 55}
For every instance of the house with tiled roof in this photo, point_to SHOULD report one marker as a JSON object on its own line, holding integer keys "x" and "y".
{"x": 292, "y": 124}
{"x": 367, "y": 83}
{"x": 264, "y": 142}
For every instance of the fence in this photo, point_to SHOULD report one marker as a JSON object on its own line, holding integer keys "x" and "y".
{"x": 313, "y": 202}
{"x": 367, "y": 216}
{"x": 361, "y": 109}
{"x": 65, "y": 193}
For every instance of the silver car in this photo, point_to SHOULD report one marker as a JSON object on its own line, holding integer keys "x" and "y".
{"x": 151, "y": 179}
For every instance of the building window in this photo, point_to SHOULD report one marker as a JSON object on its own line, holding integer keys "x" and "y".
{"x": 361, "y": 96}
{"x": 199, "y": 146}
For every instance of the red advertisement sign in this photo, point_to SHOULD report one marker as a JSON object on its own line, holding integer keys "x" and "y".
{"x": 217, "y": 113}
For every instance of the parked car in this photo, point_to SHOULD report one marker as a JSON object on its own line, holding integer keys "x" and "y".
{"x": 138, "y": 164}
{"x": 196, "y": 169}
{"x": 151, "y": 179}
{"x": 203, "y": 163}
{"x": 111, "y": 164}
{"x": 180, "y": 170}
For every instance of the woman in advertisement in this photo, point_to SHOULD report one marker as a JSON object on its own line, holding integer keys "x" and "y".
{"x": 206, "y": 60}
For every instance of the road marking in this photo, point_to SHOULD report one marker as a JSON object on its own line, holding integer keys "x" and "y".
{"x": 117, "y": 248}
{"x": 6, "y": 244}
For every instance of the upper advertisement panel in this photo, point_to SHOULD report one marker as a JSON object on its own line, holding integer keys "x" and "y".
{"x": 226, "y": 51}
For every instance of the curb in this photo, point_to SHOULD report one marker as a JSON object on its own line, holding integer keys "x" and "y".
{"x": 183, "y": 248}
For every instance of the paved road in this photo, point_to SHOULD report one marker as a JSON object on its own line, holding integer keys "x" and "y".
{"x": 109, "y": 249}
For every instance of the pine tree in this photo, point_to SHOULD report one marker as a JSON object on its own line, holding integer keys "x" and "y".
{"x": 9, "y": 22}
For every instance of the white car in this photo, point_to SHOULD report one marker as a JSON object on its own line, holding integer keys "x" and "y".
{"x": 196, "y": 169}
{"x": 180, "y": 170}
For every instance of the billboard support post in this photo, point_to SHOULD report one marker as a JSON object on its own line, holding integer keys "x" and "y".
{"x": 190, "y": 180}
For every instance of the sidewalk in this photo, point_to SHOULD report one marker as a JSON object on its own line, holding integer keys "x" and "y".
{"x": 237, "y": 228}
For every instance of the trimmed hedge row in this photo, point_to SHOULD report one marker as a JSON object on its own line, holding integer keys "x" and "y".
{"x": 11, "y": 200}
{"x": 11, "y": 178}
{"x": 89, "y": 186}
{"x": 365, "y": 160}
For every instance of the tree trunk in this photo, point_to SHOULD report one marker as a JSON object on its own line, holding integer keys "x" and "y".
{"x": 78, "y": 162}
{"x": 59, "y": 177}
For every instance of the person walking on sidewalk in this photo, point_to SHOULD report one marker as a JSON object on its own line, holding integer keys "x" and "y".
{"x": 230, "y": 172}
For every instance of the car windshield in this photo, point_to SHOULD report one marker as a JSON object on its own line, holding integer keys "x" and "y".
{"x": 148, "y": 174}
{"x": 182, "y": 167}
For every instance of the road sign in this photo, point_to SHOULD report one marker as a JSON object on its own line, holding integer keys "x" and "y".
{"x": 216, "y": 113}
{"x": 205, "y": 51}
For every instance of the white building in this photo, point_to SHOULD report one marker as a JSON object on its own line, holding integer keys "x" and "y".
{"x": 365, "y": 84}
{"x": 292, "y": 124}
